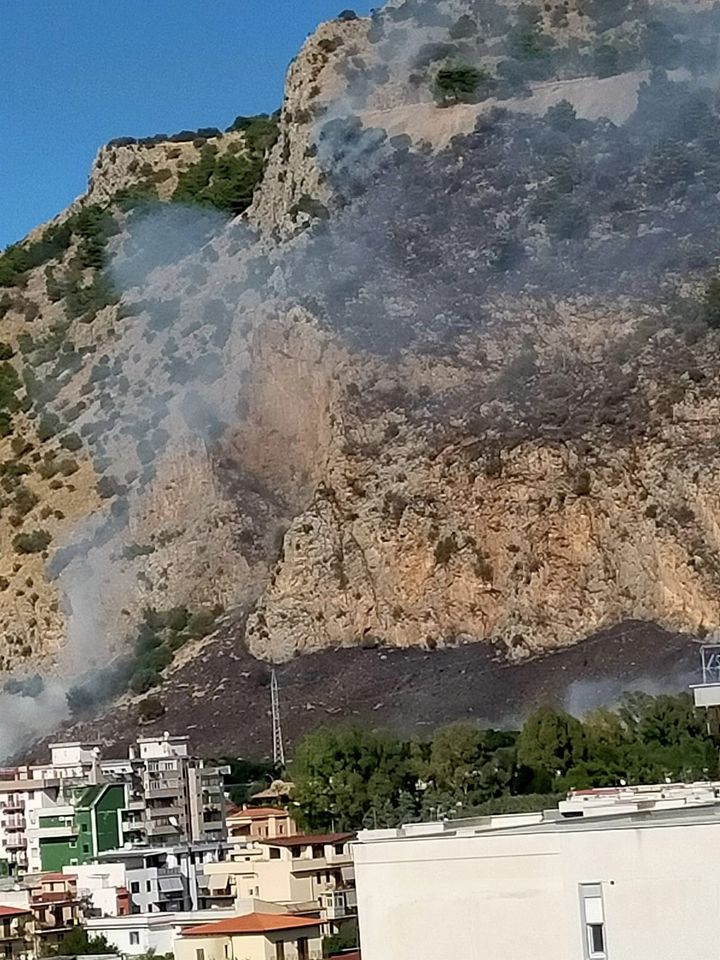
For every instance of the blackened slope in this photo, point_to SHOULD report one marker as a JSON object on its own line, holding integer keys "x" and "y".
{"x": 222, "y": 699}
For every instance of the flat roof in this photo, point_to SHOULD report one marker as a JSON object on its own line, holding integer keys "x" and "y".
{"x": 147, "y": 851}
{"x": 306, "y": 840}
{"x": 550, "y": 822}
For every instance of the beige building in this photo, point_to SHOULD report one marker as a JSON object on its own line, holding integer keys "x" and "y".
{"x": 305, "y": 872}
{"x": 620, "y": 875}
{"x": 15, "y": 938}
{"x": 254, "y": 936}
{"x": 257, "y": 822}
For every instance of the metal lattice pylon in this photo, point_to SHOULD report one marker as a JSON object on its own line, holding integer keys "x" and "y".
{"x": 278, "y": 748}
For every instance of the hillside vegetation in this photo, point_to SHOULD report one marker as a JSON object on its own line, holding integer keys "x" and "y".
{"x": 450, "y": 380}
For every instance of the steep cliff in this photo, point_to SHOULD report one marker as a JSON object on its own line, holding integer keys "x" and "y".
{"x": 450, "y": 377}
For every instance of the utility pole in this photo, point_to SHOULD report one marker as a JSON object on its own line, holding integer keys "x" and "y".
{"x": 278, "y": 748}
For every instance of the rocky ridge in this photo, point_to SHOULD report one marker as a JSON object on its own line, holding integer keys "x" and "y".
{"x": 523, "y": 468}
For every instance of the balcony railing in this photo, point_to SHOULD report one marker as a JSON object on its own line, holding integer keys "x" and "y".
{"x": 15, "y": 823}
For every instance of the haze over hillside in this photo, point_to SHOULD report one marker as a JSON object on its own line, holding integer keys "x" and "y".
{"x": 427, "y": 359}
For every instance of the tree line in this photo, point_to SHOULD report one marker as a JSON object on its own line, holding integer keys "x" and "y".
{"x": 346, "y": 779}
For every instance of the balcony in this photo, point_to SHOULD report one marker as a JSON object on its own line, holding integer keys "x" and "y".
{"x": 15, "y": 823}
{"x": 12, "y": 803}
{"x": 162, "y": 830}
{"x": 164, "y": 810}
{"x": 16, "y": 842}
{"x": 57, "y": 833}
{"x": 163, "y": 789}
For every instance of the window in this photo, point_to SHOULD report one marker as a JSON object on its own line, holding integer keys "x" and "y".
{"x": 86, "y": 848}
{"x": 302, "y": 948}
{"x": 339, "y": 849}
{"x": 274, "y": 853}
{"x": 317, "y": 852}
{"x": 135, "y": 886}
{"x": 199, "y": 954}
{"x": 593, "y": 919}
{"x": 84, "y": 827}
{"x": 148, "y": 885}
{"x": 134, "y": 938}
{"x": 596, "y": 939}
{"x": 279, "y": 950}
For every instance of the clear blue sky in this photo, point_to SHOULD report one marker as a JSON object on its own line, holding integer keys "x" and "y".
{"x": 76, "y": 73}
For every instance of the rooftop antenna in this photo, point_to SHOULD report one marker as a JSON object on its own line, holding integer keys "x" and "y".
{"x": 278, "y": 748}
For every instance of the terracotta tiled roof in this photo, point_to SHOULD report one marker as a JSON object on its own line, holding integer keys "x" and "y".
{"x": 305, "y": 839}
{"x": 13, "y": 912}
{"x": 251, "y": 923}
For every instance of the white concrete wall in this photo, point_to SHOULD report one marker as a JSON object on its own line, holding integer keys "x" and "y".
{"x": 155, "y": 935}
{"x": 516, "y": 896}
{"x": 100, "y": 882}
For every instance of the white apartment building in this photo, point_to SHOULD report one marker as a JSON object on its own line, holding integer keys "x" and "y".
{"x": 157, "y": 933}
{"x": 163, "y": 879}
{"x": 98, "y": 884}
{"x": 28, "y": 789}
{"x": 625, "y": 874}
{"x": 171, "y": 797}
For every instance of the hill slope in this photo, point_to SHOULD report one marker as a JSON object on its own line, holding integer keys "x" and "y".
{"x": 450, "y": 375}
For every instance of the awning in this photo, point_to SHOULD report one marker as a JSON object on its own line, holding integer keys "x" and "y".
{"x": 217, "y": 881}
{"x": 171, "y": 885}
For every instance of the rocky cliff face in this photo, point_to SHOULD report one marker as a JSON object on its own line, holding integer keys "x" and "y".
{"x": 428, "y": 389}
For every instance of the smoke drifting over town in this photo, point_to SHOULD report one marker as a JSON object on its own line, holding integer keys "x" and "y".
{"x": 421, "y": 247}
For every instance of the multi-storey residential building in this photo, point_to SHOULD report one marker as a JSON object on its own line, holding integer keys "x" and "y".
{"x": 312, "y": 873}
{"x": 164, "y": 879}
{"x": 175, "y": 797}
{"x": 56, "y": 906}
{"x": 66, "y": 812}
{"x": 257, "y": 822}
{"x": 77, "y": 831}
{"x": 15, "y": 937}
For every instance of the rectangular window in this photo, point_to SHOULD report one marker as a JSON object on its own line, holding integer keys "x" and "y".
{"x": 148, "y": 885}
{"x": 199, "y": 954}
{"x": 279, "y": 950}
{"x": 593, "y": 920}
{"x": 135, "y": 886}
{"x": 134, "y": 938}
{"x": 274, "y": 853}
{"x": 302, "y": 948}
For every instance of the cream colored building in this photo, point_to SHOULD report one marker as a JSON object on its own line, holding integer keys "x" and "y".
{"x": 628, "y": 876}
{"x": 254, "y": 936}
{"x": 258, "y": 822}
{"x": 312, "y": 872}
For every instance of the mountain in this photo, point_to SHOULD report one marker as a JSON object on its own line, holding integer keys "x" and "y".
{"x": 426, "y": 360}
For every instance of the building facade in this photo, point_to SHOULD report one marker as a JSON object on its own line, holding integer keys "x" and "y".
{"x": 164, "y": 879}
{"x": 254, "y": 936}
{"x": 257, "y": 823}
{"x": 66, "y": 812}
{"x": 626, "y": 876}
{"x": 313, "y": 873}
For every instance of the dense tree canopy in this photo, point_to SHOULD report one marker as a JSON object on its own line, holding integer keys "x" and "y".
{"x": 347, "y": 779}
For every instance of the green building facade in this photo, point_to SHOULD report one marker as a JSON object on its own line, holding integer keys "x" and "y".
{"x": 67, "y": 839}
